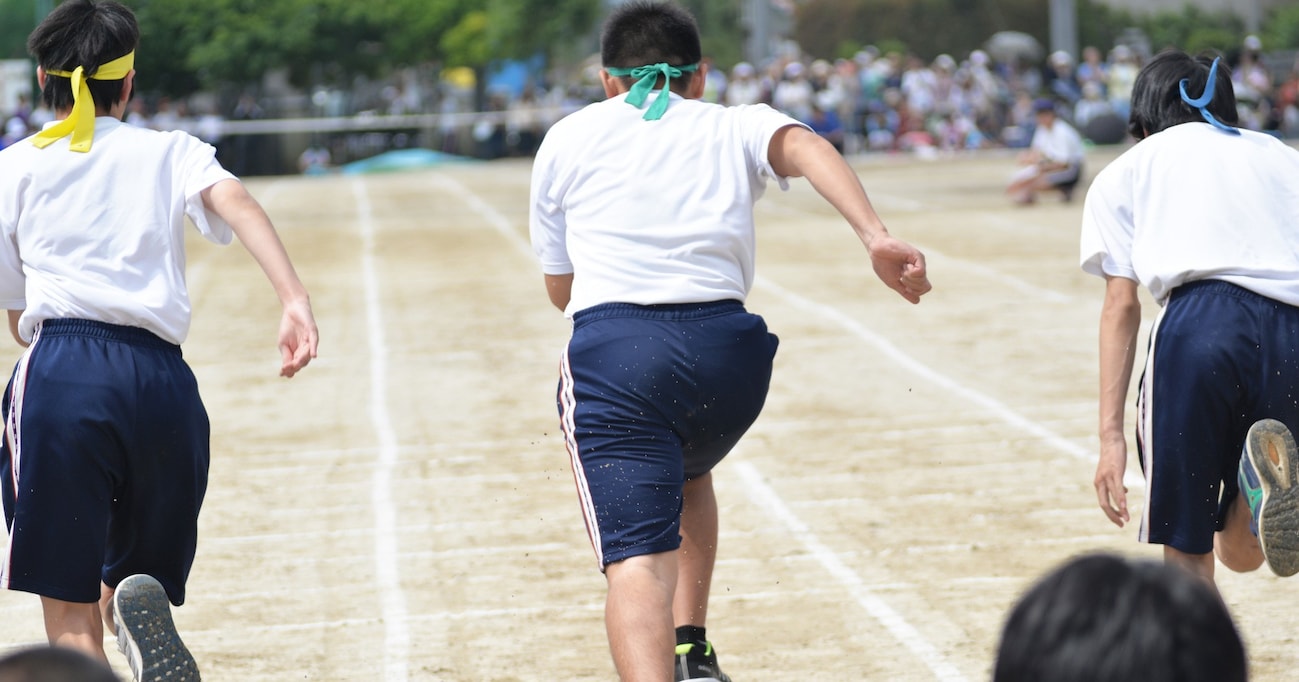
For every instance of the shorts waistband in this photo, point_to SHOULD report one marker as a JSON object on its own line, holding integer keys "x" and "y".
{"x": 1212, "y": 286}
{"x": 659, "y": 311}
{"x": 136, "y": 336}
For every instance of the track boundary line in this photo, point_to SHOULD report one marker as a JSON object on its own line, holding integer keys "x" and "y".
{"x": 396, "y": 643}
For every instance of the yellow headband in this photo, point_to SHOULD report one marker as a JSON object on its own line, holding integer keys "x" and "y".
{"x": 81, "y": 122}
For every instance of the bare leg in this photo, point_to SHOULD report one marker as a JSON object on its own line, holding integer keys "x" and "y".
{"x": 1198, "y": 564}
{"x": 1236, "y": 546}
{"x": 74, "y": 625}
{"x": 638, "y": 616}
{"x": 106, "y": 607}
{"x": 698, "y": 552}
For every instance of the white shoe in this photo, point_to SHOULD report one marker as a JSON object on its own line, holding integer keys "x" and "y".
{"x": 146, "y": 634}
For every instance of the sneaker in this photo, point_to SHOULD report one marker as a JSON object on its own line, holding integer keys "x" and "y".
{"x": 697, "y": 662}
{"x": 146, "y": 634}
{"x": 1268, "y": 469}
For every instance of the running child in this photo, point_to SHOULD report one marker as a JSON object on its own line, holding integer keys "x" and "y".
{"x": 106, "y": 444}
{"x": 1203, "y": 215}
{"x": 642, "y": 218}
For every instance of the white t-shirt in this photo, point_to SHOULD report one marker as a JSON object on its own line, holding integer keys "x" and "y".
{"x": 101, "y": 235}
{"x": 1193, "y": 202}
{"x": 651, "y": 212}
{"x": 1059, "y": 143}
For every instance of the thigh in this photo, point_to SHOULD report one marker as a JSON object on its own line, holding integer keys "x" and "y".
{"x": 730, "y": 375}
{"x": 649, "y": 397}
{"x": 106, "y": 454}
{"x": 154, "y": 526}
{"x": 1205, "y": 383}
{"x": 63, "y": 465}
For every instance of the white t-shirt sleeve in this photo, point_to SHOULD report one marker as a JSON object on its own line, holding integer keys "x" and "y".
{"x": 762, "y": 125}
{"x": 547, "y": 226}
{"x": 1108, "y": 229}
{"x": 13, "y": 283}
{"x": 201, "y": 170}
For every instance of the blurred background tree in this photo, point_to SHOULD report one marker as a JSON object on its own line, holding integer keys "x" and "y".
{"x": 223, "y": 44}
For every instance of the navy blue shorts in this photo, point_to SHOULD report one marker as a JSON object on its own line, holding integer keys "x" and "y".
{"x": 1221, "y": 358}
{"x": 105, "y": 462}
{"x": 650, "y": 396}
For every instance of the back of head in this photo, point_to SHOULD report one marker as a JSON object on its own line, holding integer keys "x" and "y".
{"x": 83, "y": 33}
{"x": 1103, "y": 617}
{"x": 1157, "y": 102}
{"x": 638, "y": 33}
{"x": 53, "y": 664}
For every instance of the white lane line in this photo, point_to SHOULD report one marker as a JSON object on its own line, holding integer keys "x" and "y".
{"x": 937, "y": 379}
{"x": 486, "y": 211}
{"x": 767, "y": 498}
{"x": 396, "y": 645}
{"x": 1008, "y": 281}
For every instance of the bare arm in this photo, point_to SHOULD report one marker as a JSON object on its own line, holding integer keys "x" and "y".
{"x": 14, "y": 316}
{"x": 560, "y": 289}
{"x": 1120, "y": 320}
{"x": 798, "y": 152}
{"x": 298, "y": 336}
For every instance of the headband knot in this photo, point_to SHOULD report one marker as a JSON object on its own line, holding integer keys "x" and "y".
{"x": 647, "y": 76}
{"x": 80, "y": 124}
{"x": 1202, "y": 102}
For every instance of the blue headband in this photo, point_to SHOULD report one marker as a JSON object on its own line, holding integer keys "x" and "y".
{"x": 648, "y": 76}
{"x": 1202, "y": 103}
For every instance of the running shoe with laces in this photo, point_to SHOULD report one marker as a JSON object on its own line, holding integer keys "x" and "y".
{"x": 146, "y": 634}
{"x": 1268, "y": 469}
{"x": 697, "y": 662}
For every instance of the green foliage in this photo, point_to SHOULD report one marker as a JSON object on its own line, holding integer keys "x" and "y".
{"x": 1281, "y": 28}
{"x": 188, "y": 45}
{"x": 17, "y": 17}
{"x": 932, "y": 27}
{"x": 926, "y": 27}
{"x": 720, "y": 29}
{"x": 1194, "y": 30}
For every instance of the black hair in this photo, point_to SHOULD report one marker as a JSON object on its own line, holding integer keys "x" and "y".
{"x": 1157, "y": 102}
{"x": 1104, "y": 617}
{"x": 53, "y": 664}
{"x": 85, "y": 33}
{"x": 638, "y": 33}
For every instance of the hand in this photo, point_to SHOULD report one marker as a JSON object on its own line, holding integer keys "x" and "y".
{"x": 900, "y": 266}
{"x": 1110, "y": 491}
{"x": 298, "y": 337}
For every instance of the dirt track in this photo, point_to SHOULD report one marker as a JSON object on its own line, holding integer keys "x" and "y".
{"x": 403, "y": 509}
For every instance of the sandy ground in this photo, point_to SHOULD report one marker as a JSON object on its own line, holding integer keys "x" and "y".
{"x": 403, "y": 509}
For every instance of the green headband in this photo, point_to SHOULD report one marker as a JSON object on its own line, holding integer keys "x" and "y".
{"x": 648, "y": 77}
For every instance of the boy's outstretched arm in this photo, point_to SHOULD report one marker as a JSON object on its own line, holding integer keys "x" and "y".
{"x": 795, "y": 152}
{"x": 298, "y": 335}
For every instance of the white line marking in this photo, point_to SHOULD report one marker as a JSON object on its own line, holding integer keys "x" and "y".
{"x": 396, "y": 632}
{"x": 486, "y": 211}
{"x": 939, "y": 380}
{"x": 767, "y": 498}
{"x": 1021, "y": 286}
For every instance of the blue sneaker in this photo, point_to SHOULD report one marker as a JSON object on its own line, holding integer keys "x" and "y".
{"x": 146, "y": 634}
{"x": 697, "y": 662}
{"x": 1268, "y": 469}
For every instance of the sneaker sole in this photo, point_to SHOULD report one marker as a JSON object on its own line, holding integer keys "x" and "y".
{"x": 146, "y": 634}
{"x": 1271, "y": 449}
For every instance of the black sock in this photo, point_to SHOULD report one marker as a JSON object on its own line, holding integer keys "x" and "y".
{"x": 691, "y": 634}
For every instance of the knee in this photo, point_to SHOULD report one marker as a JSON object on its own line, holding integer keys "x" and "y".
{"x": 644, "y": 573}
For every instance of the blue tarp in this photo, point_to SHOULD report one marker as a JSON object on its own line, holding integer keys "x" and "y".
{"x": 400, "y": 159}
